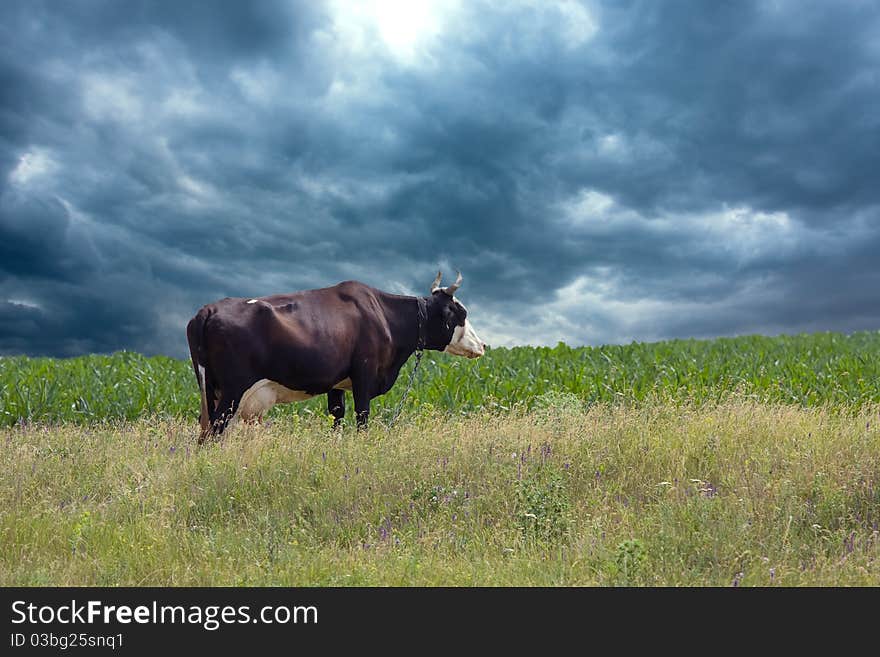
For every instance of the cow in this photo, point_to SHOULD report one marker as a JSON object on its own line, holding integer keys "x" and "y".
{"x": 249, "y": 354}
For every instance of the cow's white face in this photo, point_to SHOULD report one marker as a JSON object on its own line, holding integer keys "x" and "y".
{"x": 466, "y": 342}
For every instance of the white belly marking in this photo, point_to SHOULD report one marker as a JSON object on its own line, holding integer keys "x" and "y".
{"x": 264, "y": 394}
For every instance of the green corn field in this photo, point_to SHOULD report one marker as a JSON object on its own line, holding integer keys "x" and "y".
{"x": 807, "y": 370}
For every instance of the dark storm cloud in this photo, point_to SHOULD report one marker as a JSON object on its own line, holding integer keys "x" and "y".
{"x": 627, "y": 170}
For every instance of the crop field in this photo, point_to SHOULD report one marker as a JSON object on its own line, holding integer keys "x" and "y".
{"x": 736, "y": 462}
{"x": 807, "y": 370}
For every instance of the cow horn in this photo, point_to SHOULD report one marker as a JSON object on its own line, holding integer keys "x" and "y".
{"x": 436, "y": 284}
{"x": 450, "y": 290}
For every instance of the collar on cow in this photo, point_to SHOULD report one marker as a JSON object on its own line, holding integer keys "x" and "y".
{"x": 423, "y": 319}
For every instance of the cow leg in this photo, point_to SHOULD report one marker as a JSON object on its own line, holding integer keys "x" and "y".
{"x": 336, "y": 406}
{"x": 222, "y": 414}
{"x": 361, "y": 396}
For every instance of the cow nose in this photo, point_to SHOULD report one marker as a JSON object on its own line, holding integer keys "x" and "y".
{"x": 485, "y": 346}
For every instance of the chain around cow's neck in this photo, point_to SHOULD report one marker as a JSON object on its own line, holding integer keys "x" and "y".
{"x": 423, "y": 319}
{"x": 420, "y": 347}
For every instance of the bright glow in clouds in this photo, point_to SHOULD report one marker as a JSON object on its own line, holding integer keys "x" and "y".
{"x": 404, "y": 27}
{"x": 403, "y": 24}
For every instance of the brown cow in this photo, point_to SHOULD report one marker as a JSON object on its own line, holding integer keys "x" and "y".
{"x": 249, "y": 354}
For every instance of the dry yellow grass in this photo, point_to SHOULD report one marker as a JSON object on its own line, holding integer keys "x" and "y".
{"x": 734, "y": 493}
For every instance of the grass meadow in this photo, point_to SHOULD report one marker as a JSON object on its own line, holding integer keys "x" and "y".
{"x": 722, "y": 463}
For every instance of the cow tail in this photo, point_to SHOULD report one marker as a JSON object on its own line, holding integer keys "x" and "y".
{"x": 195, "y": 333}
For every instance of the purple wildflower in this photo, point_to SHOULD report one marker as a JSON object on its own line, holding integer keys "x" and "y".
{"x": 384, "y": 529}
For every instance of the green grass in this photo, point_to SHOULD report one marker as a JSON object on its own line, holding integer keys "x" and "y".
{"x": 653, "y": 494}
{"x": 807, "y": 370}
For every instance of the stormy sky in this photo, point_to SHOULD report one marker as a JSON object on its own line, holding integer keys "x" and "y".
{"x": 599, "y": 172}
